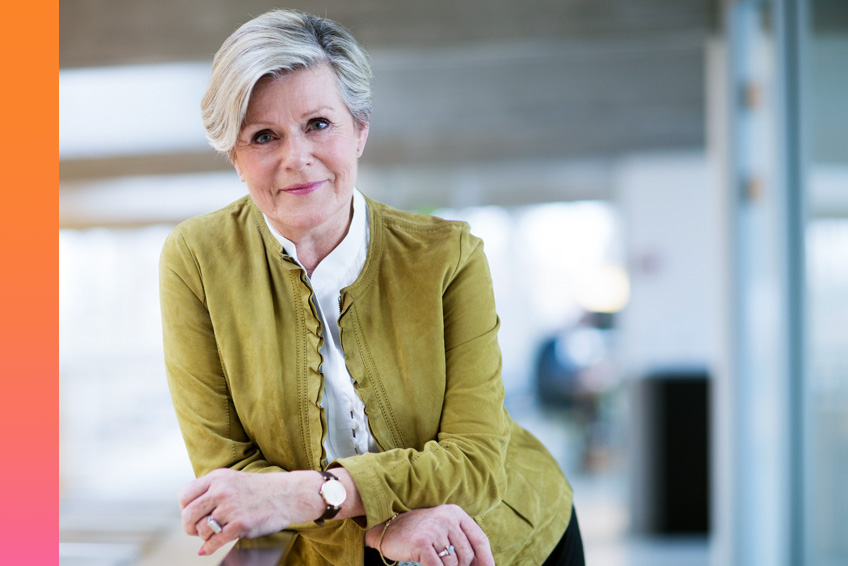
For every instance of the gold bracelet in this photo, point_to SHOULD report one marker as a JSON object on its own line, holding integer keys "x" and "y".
{"x": 380, "y": 543}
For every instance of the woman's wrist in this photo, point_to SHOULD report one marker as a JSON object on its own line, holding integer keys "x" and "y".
{"x": 352, "y": 506}
{"x": 302, "y": 488}
{"x": 300, "y": 495}
{"x": 382, "y": 535}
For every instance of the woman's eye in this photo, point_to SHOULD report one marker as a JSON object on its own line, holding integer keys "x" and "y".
{"x": 319, "y": 124}
{"x": 262, "y": 137}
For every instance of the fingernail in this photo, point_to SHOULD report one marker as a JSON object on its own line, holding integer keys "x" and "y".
{"x": 201, "y": 552}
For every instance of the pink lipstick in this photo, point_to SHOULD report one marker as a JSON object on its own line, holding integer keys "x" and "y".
{"x": 302, "y": 188}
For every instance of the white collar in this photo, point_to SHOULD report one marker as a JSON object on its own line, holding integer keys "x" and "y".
{"x": 345, "y": 257}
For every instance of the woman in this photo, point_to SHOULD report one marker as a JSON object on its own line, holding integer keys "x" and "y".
{"x": 345, "y": 350}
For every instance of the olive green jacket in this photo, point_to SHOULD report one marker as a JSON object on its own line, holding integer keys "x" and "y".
{"x": 419, "y": 332}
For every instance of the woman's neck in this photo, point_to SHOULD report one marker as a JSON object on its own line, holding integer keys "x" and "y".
{"x": 311, "y": 252}
{"x": 316, "y": 244}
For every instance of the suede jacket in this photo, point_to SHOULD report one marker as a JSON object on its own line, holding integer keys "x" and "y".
{"x": 419, "y": 331}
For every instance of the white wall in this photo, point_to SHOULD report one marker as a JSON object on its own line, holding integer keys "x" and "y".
{"x": 672, "y": 237}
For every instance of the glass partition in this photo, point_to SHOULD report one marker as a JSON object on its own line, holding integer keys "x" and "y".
{"x": 824, "y": 113}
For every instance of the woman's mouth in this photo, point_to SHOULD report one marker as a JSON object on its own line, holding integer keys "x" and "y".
{"x": 302, "y": 188}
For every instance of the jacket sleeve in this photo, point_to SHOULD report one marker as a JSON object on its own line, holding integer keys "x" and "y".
{"x": 465, "y": 463}
{"x": 213, "y": 434}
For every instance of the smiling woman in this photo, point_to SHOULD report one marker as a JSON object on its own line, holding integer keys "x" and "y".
{"x": 345, "y": 349}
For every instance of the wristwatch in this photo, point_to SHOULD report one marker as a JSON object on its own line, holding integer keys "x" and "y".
{"x": 334, "y": 494}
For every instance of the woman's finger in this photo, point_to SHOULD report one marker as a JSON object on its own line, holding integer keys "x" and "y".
{"x": 429, "y": 557}
{"x": 206, "y": 529}
{"x": 196, "y": 512}
{"x": 193, "y": 490}
{"x": 217, "y": 540}
{"x": 463, "y": 552}
{"x": 450, "y": 558}
{"x": 479, "y": 542}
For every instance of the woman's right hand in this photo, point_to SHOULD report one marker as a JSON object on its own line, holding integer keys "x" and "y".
{"x": 421, "y": 534}
{"x": 248, "y": 505}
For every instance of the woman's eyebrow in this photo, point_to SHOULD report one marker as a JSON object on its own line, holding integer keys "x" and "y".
{"x": 319, "y": 110}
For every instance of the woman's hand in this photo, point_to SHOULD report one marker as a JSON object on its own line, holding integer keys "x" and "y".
{"x": 420, "y": 535}
{"x": 248, "y": 505}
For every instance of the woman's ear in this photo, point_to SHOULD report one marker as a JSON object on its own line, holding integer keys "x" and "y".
{"x": 361, "y": 138}
{"x": 238, "y": 169}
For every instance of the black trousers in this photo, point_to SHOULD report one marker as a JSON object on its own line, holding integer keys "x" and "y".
{"x": 568, "y": 551}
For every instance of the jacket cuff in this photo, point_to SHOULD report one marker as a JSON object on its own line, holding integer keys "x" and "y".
{"x": 377, "y": 506}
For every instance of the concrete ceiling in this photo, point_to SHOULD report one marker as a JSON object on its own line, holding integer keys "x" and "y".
{"x": 106, "y": 32}
{"x": 456, "y": 83}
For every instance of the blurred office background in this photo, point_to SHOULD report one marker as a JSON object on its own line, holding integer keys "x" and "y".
{"x": 668, "y": 177}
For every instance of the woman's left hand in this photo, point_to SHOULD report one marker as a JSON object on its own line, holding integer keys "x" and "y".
{"x": 425, "y": 535}
{"x": 247, "y": 505}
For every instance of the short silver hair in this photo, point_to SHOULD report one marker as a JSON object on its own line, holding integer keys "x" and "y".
{"x": 276, "y": 43}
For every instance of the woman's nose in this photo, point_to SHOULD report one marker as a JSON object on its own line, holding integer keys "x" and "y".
{"x": 296, "y": 153}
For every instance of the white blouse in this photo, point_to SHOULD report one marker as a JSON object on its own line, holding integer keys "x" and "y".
{"x": 348, "y": 432}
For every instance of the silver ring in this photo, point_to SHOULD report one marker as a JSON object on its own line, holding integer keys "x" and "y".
{"x": 447, "y": 552}
{"x": 213, "y": 524}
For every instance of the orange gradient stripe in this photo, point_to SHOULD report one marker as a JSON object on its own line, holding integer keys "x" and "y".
{"x": 29, "y": 295}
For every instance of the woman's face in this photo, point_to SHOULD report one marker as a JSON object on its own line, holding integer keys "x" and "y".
{"x": 297, "y": 152}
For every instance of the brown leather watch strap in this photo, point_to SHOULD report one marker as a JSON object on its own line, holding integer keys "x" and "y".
{"x": 331, "y": 510}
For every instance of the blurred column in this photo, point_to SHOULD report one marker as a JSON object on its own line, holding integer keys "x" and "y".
{"x": 758, "y": 395}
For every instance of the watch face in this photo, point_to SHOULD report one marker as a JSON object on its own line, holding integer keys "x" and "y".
{"x": 333, "y": 492}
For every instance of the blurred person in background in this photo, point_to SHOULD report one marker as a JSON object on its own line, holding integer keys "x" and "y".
{"x": 333, "y": 362}
{"x": 574, "y": 373}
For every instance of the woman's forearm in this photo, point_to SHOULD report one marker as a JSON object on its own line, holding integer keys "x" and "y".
{"x": 248, "y": 505}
